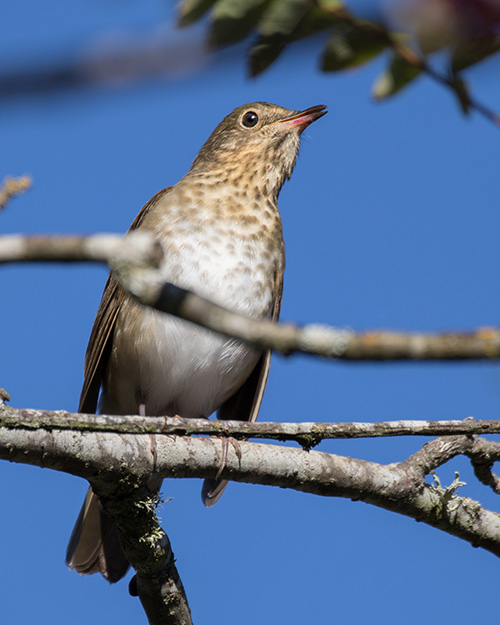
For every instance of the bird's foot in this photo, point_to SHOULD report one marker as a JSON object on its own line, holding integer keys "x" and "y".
{"x": 225, "y": 447}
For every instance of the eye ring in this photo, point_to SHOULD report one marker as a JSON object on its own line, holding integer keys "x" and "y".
{"x": 250, "y": 119}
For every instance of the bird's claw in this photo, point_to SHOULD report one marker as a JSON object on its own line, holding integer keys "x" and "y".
{"x": 225, "y": 446}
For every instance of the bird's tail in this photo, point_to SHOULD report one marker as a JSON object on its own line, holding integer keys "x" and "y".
{"x": 212, "y": 491}
{"x": 94, "y": 546}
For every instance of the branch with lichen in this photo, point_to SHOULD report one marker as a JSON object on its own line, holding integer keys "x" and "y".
{"x": 132, "y": 507}
{"x": 307, "y": 435}
{"x": 113, "y": 462}
{"x": 135, "y": 260}
{"x": 118, "y": 468}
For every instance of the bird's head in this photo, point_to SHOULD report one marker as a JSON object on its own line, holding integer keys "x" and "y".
{"x": 258, "y": 141}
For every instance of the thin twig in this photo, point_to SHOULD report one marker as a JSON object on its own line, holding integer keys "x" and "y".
{"x": 471, "y": 103}
{"x": 306, "y": 434}
{"x": 412, "y": 57}
{"x": 135, "y": 260}
{"x": 11, "y": 187}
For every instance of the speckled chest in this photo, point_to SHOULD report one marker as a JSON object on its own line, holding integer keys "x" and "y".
{"x": 223, "y": 248}
{"x": 221, "y": 243}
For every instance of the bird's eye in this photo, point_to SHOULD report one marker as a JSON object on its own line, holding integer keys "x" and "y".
{"x": 250, "y": 119}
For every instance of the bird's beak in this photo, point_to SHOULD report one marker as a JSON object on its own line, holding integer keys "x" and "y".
{"x": 304, "y": 118}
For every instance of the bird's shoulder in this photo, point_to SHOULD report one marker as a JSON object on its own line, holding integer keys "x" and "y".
{"x": 159, "y": 201}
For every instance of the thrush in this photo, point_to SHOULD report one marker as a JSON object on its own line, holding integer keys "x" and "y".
{"x": 221, "y": 233}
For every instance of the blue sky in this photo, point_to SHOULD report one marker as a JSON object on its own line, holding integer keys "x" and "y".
{"x": 391, "y": 220}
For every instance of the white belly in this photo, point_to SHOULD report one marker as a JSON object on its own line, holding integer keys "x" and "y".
{"x": 173, "y": 366}
{"x": 187, "y": 370}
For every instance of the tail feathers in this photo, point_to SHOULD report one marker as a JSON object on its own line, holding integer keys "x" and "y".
{"x": 94, "y": 546}
{"x": 212, "y": 491}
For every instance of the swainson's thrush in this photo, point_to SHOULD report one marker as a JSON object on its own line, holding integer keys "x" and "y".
{"x": 221, "y": 232}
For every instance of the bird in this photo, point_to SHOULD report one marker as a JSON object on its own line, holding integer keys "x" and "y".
{"x": 221, "y": 233}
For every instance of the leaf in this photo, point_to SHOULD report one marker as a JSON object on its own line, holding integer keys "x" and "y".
{"x": 330, "y": 6}
{"x": 191, "y": 10}
{"x": 318, "y": 18}
{"x": 467, "y": 53}
{"x": 264, "y": 53}
{"x": 337, "y": 54}
{"x": 399, "y": 74}
{"x": 278, "y": 28}
{"x": 232, "y": 20}
{"x": 282, "y": 17}
{"x": 353, "y": 47}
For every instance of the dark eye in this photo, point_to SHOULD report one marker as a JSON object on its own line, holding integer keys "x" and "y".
{"x": 250, "y": 119}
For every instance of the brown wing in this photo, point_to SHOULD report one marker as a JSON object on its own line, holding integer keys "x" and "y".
{"x": 99, "y": 347}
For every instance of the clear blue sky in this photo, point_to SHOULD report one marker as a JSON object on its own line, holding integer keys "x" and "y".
{"x": 391, "y": 220}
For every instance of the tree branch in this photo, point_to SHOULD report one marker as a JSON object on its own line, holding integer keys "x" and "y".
{"x": 109, "y": 462}
{"x": 417, "y": 60}
{"x": 11, "y": 187}
{"x": 132, "y": 508}
{"x": 135, "y": 260}
{"x": 307, "y": 435}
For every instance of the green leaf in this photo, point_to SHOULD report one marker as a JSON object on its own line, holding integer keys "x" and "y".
{"x": 282, "y": 17}
{"x": 353, "y": 47}
{"x": 264, "y": 53}
{"x": 232, "y": 20}
{"x": 467, "y": 53}
{"x": 399, "y": 74}
{"x": 191, "y": 10}
{"x": 337, "y": 53}
{"x": 285, "y": 21}
{"x": 319, "y": 18}
{"x": 331, "y": 6}
{"x": 291, "y": 20}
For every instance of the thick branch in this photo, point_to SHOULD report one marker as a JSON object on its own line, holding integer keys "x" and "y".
{"x": 126, "y": 498}
{"x": 132, "y": 507}
{"x": 107, "y": 459}
{"x": 135, "y": 261}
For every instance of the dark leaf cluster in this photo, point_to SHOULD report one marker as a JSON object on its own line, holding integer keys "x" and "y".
{"x": 467, "y": 30}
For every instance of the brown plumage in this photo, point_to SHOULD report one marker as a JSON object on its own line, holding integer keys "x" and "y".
{"x": 221, "y": 232}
